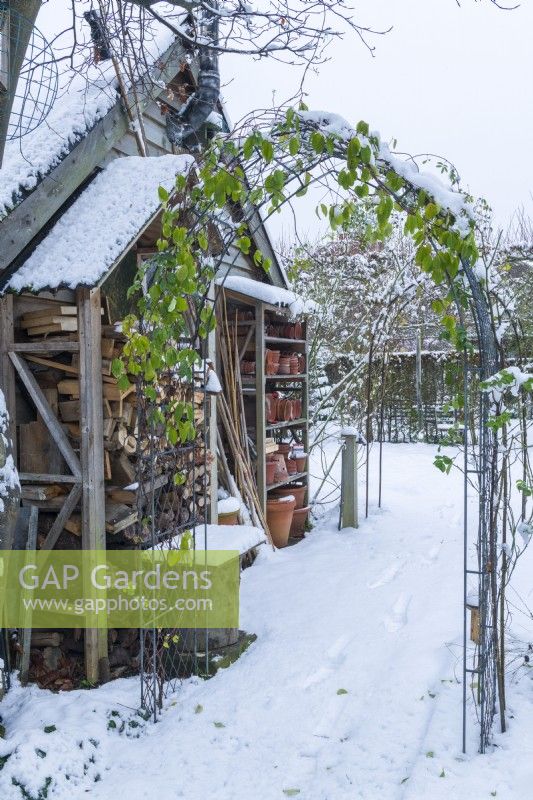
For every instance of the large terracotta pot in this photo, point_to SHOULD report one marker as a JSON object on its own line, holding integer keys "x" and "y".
{"x": 299, "y": 518}
{"x": 279, "y": 518}
{"x": 295, "y": 489}
{"x": 284, "y": 448}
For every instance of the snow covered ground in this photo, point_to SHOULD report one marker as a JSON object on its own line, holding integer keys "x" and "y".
{"x": 350, "y": 691}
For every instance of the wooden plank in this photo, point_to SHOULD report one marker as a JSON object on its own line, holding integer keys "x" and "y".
{"x": 45, "y": 346}
{"x": 92, "y": 455}
{"x": 69, "y": 386}
{"x": 58, "y": 310}
{"x": 7, "y": 373}
{"x": 67, "y": 326}
{"x": 52, "y": 423}
{"x": 38, "y": 451}
{"x": 64, "y": 515}
{"x": 32, "y": 477}
{"x": 118, "y": 517}
{"x": 40, "y": 492}
{"x": 48, "y": 362}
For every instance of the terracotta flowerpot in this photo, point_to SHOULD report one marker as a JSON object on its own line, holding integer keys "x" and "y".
{"x": 287, "y": 411}
{"x": 271, "y": 407}
{"x": 301, "y": 462}
{"x": 284, "y": 448}
{"x": 280, "y": 473}
{"x": 299, "y": 518}
{"x": 297, "y": 409}
{"x": 231, "y": 518}
{"x": 291, "y": 466}
{"x": 270, "y": 470}
{"x": 294, "y": 489}
{"x": 279, "y": 514}
{"x": 298, "y": 330}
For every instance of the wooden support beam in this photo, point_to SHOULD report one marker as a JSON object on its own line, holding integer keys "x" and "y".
{"x": 42, "y": 477}
{"x": 48, "y": 416}
{"x": 62, "y": 518}
{"x": 45, "y": 346}
{"x": 31, "y": 545}
{"x": 7, "y": 373}
{"x": 92, "y": 456}
{"x": 260, "y": 420}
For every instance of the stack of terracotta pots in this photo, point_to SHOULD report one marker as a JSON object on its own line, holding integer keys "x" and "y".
{"x": 277, "y": 363}
{"x": 272, "y": 359}
{"x": 300, "y": 512}
{"x": 281, "y": 409}
{"x": 292, "y": 330}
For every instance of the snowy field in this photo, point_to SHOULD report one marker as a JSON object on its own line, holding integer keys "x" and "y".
{"x": 352, "y": 689}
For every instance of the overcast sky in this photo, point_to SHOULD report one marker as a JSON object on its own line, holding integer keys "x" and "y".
{"x": 456, "y": 81}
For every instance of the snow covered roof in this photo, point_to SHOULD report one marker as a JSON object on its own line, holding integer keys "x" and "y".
{"x": 101, "y": 224}
{"x": 273, "y": 295}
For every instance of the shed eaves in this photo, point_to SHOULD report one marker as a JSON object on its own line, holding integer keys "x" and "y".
{"x": 100, "y": 226}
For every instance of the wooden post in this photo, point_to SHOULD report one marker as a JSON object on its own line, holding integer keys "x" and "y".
{"x": 260, "y": 420}
{"x": 7, "y": 373}
{"x": 305, "y": 412}
{"x": 349, "y": 517}
{"x": 211, "y": 402}
{"x": 92, "y": 456}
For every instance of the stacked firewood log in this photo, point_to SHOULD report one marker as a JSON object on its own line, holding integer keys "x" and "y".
{"x": 139, "y": 462}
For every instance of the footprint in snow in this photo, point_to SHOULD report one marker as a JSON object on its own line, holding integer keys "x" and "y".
{"x": 398, "y": 618}
{"x": 334, "y": 655}
{"x": 387, "y": 575}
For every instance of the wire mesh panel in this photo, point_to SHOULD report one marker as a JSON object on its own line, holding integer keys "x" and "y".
{"x": 480, "y": 577}
{"x": 173, "y": 489}
{"x": 34, "y": 89}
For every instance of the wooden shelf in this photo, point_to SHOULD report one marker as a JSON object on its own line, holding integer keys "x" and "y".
{"x": 291, "y": 479}
{"x": 279, "y": 340}
{"x": 249, "y": 380}
{"x": 293, "y": 423}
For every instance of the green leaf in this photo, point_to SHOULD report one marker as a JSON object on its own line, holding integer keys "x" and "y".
{"x": 267, "y": 149}
{"x": 163, "y": 194}
{"x": 219, "y": 724}
{"x": 50, "y": 729}
{"x": 291, "y": 792}
{"x": 117, "y": 367}
{"x": 198, "y": 709}
{"x": 430, "y": 754}
{"x": 318, "y": 142}
{"x": 123, "y": 383}
{"x": 244, "y": 244}
{"x": 342, "y": 691}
